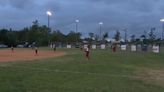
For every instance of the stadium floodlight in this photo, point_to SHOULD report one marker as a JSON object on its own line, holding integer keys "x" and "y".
{"x": 162, "y": 20}
{"x": 49, "y": 13}
{"x": 77, "y": 21}
{"x": 100, "y": 23}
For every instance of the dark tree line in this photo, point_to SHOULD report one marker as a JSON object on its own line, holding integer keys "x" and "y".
{"x": 147, "y": 39}
{"x": 37, "y": 33}
{"x": 42, "y": 36}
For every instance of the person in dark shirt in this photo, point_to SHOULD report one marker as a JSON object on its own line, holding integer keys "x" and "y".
{"x": 12, "y": 48}
{"x": 36, "y": 50}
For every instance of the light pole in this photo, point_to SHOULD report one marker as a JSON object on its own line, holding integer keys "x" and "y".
{"x": 100, "y": 23}
{"x": 49, "y": 14}
{"x": 77, "y": 21}
{"x": 162, "y": 20}
{"x": 125, "y": 30}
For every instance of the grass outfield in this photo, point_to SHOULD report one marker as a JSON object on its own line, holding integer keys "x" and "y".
{"x": 105, "y": 72}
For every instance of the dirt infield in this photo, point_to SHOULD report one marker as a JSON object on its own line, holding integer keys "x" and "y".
{"x": 26, "y": 55}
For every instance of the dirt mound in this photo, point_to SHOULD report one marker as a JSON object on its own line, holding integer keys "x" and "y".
{"x": 26, "y": 55}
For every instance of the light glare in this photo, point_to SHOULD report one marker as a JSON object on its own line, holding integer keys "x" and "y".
{"x": 101, "y": 23}
{"x": 162, "y": 20}
{"x": 77, "y": 21}
{"x": 49, "y": 13}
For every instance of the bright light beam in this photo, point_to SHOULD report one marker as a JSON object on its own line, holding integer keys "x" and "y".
{"x": 49, "y": 13}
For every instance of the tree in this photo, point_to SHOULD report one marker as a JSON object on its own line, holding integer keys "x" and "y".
{"x": 32, "y": 32}
{"x": 73, "y": 37}
{"x": 91, "y": 36}
{"x": 144, "y": 40}
{"x": 43, "y": 35}
{"x": 11, "y": 37}
{"x": 8, "y": 37}
{"x": 57, "y": 36}
{"x": 133, "y": 38}
{"x": 117, "y": 36}
{"x": 96, "y": 37}
{"x": 3, "y": 36}
{"x": 138, "y": 41}
{"x": 38, "y": 34}
{"x": 152, "y": 36}
{"x": 143, "y": 36}
{"x": 105, "y": 35}
{"x": 22, "y": 35}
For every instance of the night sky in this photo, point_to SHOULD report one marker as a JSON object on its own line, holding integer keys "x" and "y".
{"x": 134, "y": 15}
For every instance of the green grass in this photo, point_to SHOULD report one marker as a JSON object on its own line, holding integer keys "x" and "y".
{"x": 104, "y": 72}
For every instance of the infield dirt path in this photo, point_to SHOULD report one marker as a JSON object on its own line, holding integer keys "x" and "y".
{"x": 26, "y": 55}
